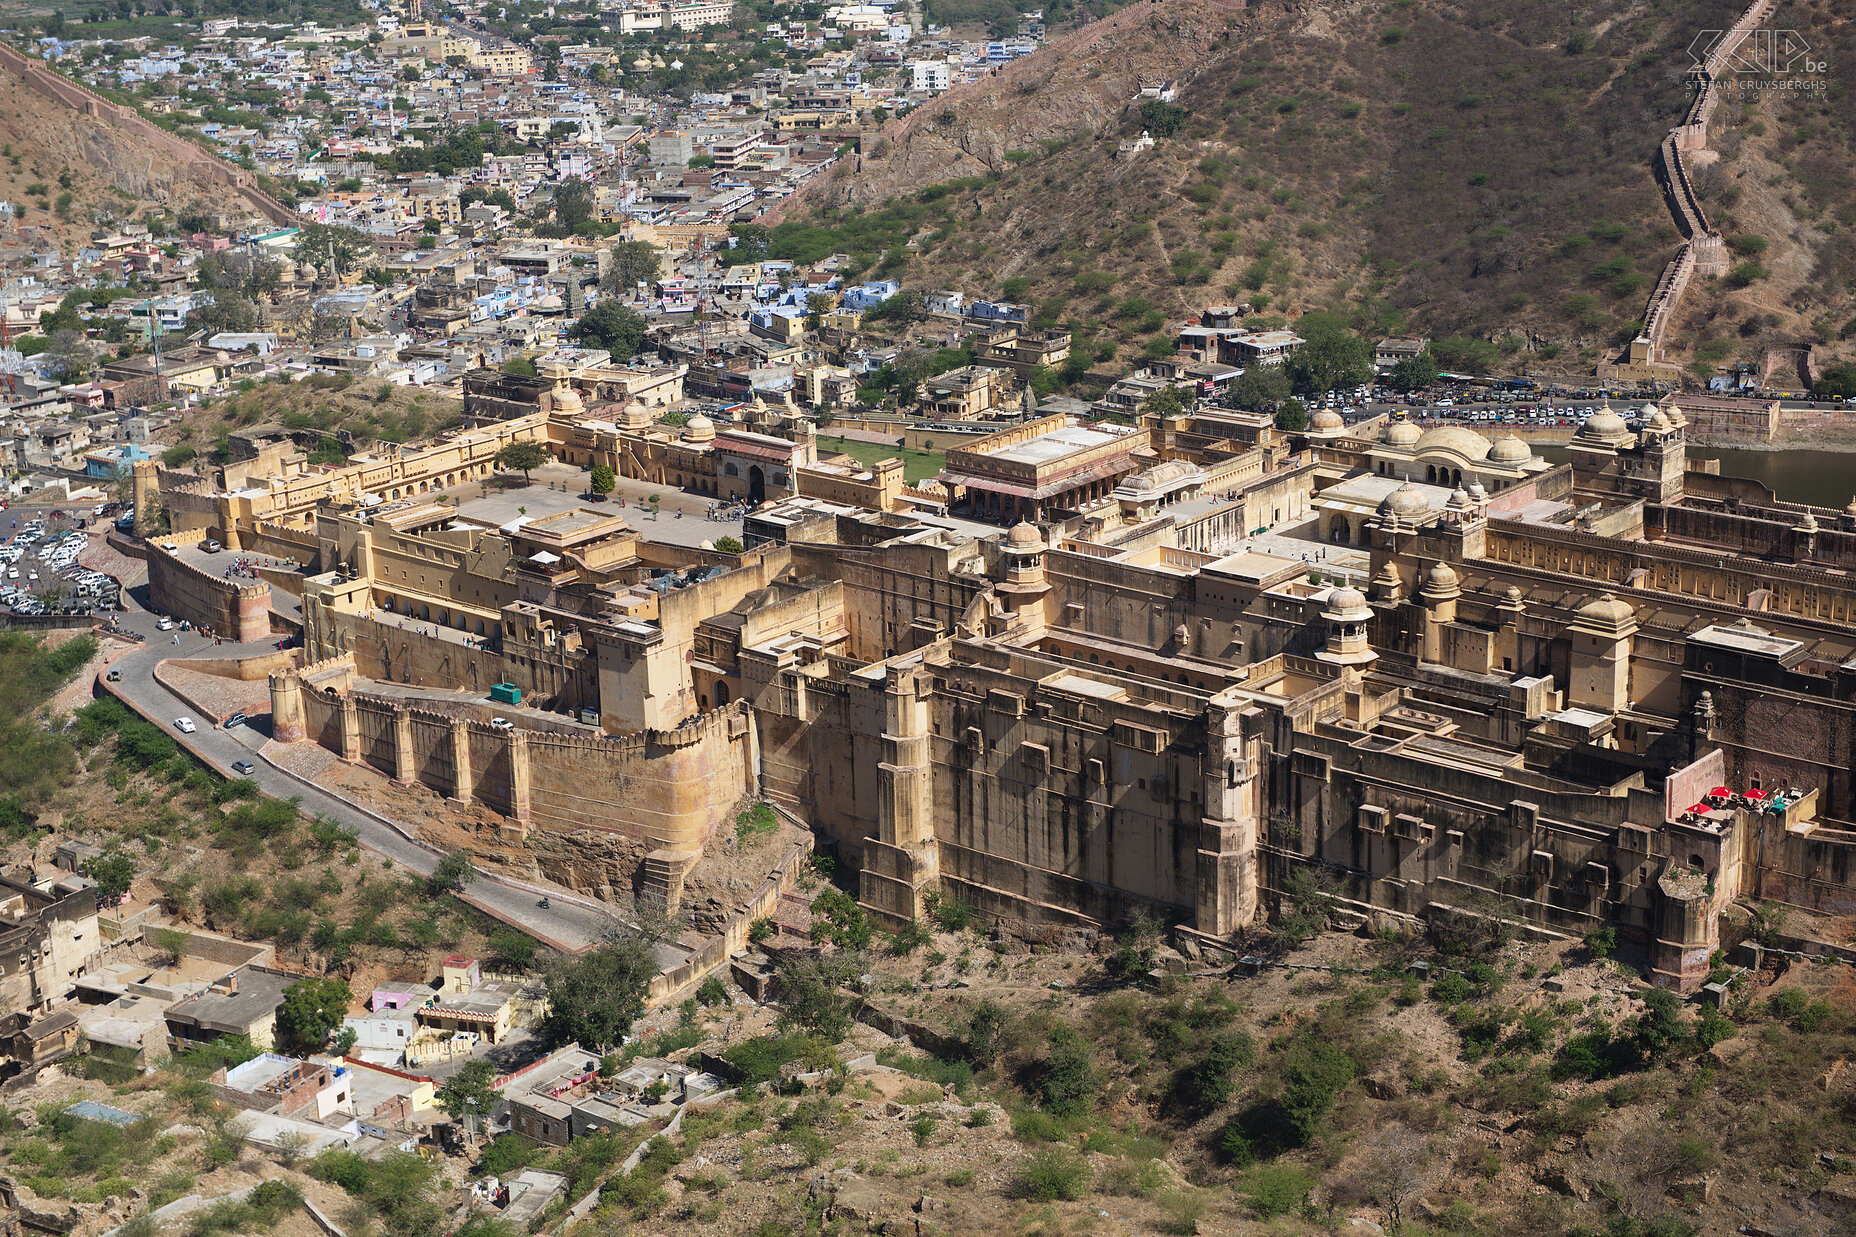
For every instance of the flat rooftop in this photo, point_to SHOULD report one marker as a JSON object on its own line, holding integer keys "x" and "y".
{"x": 1056, "y": 444}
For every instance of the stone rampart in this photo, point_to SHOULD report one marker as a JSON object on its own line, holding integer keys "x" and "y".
{"x": 201, "y": 166}
{"x": 1705, "y": 251}
{"x": 239, "y": 612}
{"x": 663, "y": 789}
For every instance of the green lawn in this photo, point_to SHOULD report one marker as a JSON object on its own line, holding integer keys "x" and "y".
{"x": 916, "y": 465}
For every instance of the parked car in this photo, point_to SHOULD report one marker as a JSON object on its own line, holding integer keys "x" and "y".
{"x": 237, "y": 719}
{"x": 244, "y": 768}
{"x": 185, "y": 725}
{"x": 114, "y": 676}
{"x": 502, "y": 723}
{"x": 166, "y": 624}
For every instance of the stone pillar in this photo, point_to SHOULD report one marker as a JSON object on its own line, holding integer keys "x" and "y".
{"x": 287, "y": 724}
{"x": 351, "y": 731}
{"x": 463, "y": 780}
{"x": 402, "y": 747}
{"x": 518, "y": 775}
{"x": 143, "y": 488}
{"x": 1227, "y": 861}
{"x": 902, "y": 862}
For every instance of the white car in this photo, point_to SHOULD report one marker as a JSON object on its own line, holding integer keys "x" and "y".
{"x": 185, "y": 725}
{"x": 502, "y": 723}
{"x": 166, "y": 624}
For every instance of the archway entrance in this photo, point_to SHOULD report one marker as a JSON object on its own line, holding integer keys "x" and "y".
{"x": 757, "y": 484}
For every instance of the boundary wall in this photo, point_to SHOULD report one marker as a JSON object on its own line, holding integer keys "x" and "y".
{"x": 203, "y": 167}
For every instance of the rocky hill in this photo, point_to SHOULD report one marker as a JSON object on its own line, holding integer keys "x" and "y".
{"x": 1480, "y": 171}
{"x": 49, "y": 149}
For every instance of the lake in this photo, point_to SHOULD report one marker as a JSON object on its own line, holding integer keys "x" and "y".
{"x": 1822, "y": 478}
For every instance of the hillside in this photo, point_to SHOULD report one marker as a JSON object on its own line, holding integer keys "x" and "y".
{"x": 48, "y": 149}
{"x": 1458, "y": 170}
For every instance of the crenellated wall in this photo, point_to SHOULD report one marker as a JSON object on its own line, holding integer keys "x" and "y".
{"x": 239, "y": 612}
{"x": 203, "y": 167}
{"x": 1704, "y": 251}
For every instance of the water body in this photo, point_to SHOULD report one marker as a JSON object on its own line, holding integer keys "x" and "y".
{"x": 1823, "y": 478}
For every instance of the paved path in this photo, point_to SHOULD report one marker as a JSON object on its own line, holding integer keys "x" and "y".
{"x": 570, "y": 923}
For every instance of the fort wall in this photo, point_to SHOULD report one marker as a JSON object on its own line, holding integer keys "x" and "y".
{"x": 1704, "y": 251}
{"x": 667, "y": 790}
{"x": 240, "y": 612}
{"x": 204, "y": 168}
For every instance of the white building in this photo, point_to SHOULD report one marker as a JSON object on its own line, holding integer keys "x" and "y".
{"x": 932, "y": 76}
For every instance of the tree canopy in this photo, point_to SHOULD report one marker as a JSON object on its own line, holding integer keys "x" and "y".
{"x": 611, "y": 325}
{"x": 1332, "y": 356}
{"x": 594, "y": 999}
{"x": 470, "y": 1094}
{"x": 313, "y": 1008}
{"x": 524, "y": 457}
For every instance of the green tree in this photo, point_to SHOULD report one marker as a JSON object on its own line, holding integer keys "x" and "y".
{"x": 573, "y": 204}
{"x": 1162, "y": 119}
{"x": 1659, "y": 1025}
{"x": 594, "y": 999}
{"x": 616, "y": 327}
{"x": 114, "y": 871}
{"x": 311, "y": 1009}
{"x": 1259, "y": 387}
{"x": 1331, "y": 355}
{"x": 1837, "y": 381}
{"x": 1292, "y": 416}
{"x": 1165, "y": 402}
{"x": 603, "y": 480}
{"x": 813, "y": 996}
{"x": 469, "y": 1095}
{"x": 324, "y": 243}
{"x": 844, "y": 922}
{"x": 1413, "y": 373}
{"x": 1313, "y": 1076}
{"x": 454, "y": 871}
{"x": 632, "y": 263}
{"x": 524, "y": 457}
{"x": 728, "y": 545}
{"x": 1067, "y": 1078}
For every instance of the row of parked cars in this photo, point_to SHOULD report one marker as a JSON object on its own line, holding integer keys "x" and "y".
{"x": 52, "y": 581}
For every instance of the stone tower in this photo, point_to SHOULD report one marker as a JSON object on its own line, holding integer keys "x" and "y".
{"x": 1599, "y": 665}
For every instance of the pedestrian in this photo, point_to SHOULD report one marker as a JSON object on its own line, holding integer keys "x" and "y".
{"x": 177, "y": 639}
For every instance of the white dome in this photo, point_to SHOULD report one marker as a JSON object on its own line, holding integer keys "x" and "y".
{"x": 550, "y": 301}
{"x": 1407, "y": 499}
{"x": 698, "y": 429}
{"x": 1456, "y": 440}
{"x": 1403, "y": 434}
{"x": 1509, "y": 449}
{"x": 1347, "y": 605}
{"x": 1604, "y": 424}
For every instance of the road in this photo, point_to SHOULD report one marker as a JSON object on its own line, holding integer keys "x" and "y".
{"x": 570, "y": 923}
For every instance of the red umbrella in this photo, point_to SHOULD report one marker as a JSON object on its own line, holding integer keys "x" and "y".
{"x": 1756, "y": 794}
{"x": 1719, "y": 792}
